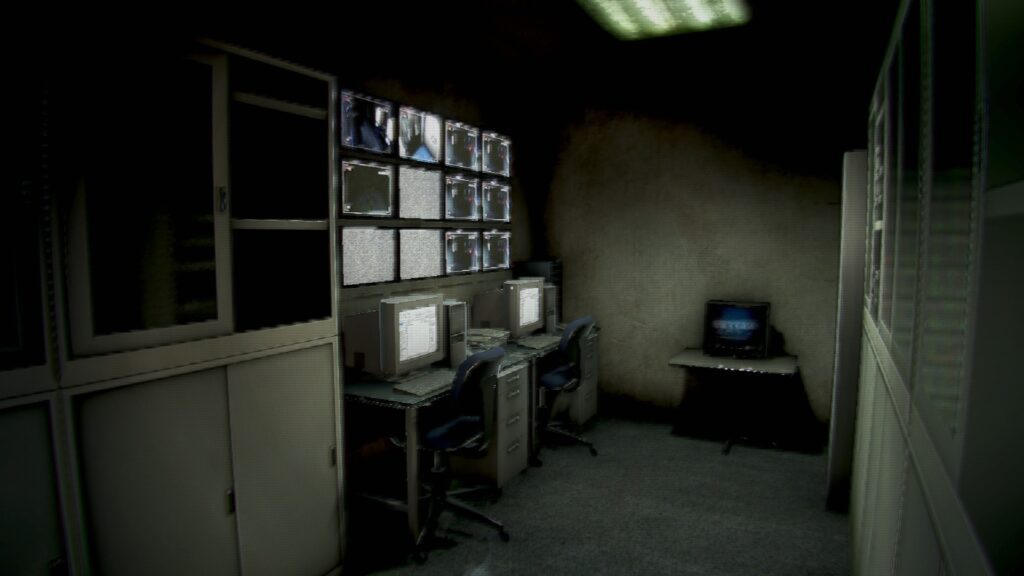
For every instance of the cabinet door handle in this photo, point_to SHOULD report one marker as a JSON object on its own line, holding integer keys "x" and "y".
{"x": 513, "y": 393}
{"x": 222, "y": 198}
{"x": 512, "y": 448}
{"x": 512, "y": 420}
{"x": 230, "y": 496}
{"x": 333, "y": 455}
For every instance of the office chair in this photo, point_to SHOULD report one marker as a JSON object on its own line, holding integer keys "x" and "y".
{"x": 565, "y": 377}
{"x": 465, "y": 433}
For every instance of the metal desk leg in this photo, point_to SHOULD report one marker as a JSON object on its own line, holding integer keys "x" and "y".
{"x": 412, "y": 472}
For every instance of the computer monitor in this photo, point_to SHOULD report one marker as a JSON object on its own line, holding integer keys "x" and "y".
{"x": 461, "y": 251}
{"x": 461, "y": 145}
{"x": 402, "y": 335}
{"x": 367, "y": 123}
{"x": 496, "y": 201}
{"x": 366, "y": 188}
{"x": 518, "y": 306}
{"x": 496, "y": 154}
{"x": 733, "y": 328}
{"x": 419, "y": 192}
{"x": 420, "y": 253}
{"x": 419, "y": 135}
{"x": 461, "y": 197}
{"x": 495, "y": 251}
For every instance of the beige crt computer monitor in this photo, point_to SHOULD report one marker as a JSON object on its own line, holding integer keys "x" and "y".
{"x": 517, "y": 307}
{"x": 404, "y": 334}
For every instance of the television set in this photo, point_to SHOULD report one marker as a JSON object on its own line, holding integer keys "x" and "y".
{"x": 461, "y": 251}
{"x": 496, "y": 154}
{"x": 735, "y": 328}
{"x": 403, "y": 335}
{"x": 461, "y": 198}
{"x": 461, "y": 145}
{"x": 367, "y": 123}
{"x": 495, "y": 250}
{"x": 518, "y": 306}
{"x": 366, "y": 188}
{"x": 367, "y": 255}
{"x": 419, "y": 135}
{"x": 495, "y": 201}
{"x": 419, "y": 192}
{"x": 420, "y": 253}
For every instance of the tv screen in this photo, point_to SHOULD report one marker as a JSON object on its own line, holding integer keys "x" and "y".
{"x": 495, "y": 201}
{"x": 461, "y": 201}
{"x": 367, "y": 123}
{"x": 461, "y": 145}
{"x": 495, "y": 251}
{"x": 419, "y": 135}
{"x": 736, "y": 328}
{"x": 496, "y": 154}
{"x": 419, "y": 192}
{"x": 461, "y": 251}
{"x": 366, "y": 188}
{"x": 367, "y": 255}
{"x": 420, "y": 253}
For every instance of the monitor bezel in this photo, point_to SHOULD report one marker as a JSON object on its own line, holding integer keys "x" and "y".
{"x": 484, "y": 184}
{"x": 389, "y": 311}
{"x": 344, "y": 189}
{"x": 441, "y": 136}
{"x": 448, "y": 178}
{"x": 713, "y": 346}
{"x": 476, "y": 260}
{"x": 488, "y": 135}
{"x": 451, "y": 125}
{"x": 392, "y": 121}
{"x": 513, "y": 289}
{"x": 484, "y": 236}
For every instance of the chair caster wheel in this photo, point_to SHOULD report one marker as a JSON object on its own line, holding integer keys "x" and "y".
{"x": 504, "y": 536}
{"x": 593, "y": 451}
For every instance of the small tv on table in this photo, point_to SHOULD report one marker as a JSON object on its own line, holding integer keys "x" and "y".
{"x": 735, "y": 328}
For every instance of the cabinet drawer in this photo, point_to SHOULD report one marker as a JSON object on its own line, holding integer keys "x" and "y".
{"x": 512, "y": 458}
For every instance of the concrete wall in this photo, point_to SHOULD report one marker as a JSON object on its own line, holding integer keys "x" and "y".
{"x": 652, "y": 219}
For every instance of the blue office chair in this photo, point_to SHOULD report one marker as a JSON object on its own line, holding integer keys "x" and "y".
{"x": 465, "y": 433}
{"x": 565, "y": 377}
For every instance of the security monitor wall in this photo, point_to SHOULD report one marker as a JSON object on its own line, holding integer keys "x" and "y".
{"x": 461, "y": 146}
{"x": 367, "y": 123}
{"x": 496, "y": 154}
{"x": 419, "y": 135}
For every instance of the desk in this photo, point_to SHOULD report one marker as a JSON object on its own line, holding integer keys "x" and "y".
{"x": 784, "y": 367}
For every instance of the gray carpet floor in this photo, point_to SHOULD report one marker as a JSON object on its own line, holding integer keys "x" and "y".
{"x": 650, "y": 503}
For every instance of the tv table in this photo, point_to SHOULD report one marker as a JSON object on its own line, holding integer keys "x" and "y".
{"x": 757, "y": 378}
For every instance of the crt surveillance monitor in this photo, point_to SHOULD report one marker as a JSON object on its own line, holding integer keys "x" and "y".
{"x": 419, "y": 135}
{"x": 461, "y": 145}
{"x": 525, "y": 300}
{"x": 410, "y": 333}
{"x": 495, "y": 200}
{"x": 496, "y": 250}
{"x": 461, "y": 198}
{"x": 461, "y": 251}
{"x": 366, "y": 188}
{"x": 367, "y": 123}
{"x": 736, "y": 328}
{"x": 496, "y": 154}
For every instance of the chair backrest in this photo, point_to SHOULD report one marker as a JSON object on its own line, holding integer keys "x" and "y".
{"x": 467, "y": 392}
{"x": 569, "y": 347}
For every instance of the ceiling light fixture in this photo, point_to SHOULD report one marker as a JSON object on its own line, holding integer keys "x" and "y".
{"x": 636, "y": 19}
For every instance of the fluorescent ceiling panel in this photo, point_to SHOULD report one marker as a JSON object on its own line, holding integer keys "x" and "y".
{"x": 636, "y": 19}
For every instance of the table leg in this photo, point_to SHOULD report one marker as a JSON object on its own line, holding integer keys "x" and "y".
{"x": 412, "y": 472}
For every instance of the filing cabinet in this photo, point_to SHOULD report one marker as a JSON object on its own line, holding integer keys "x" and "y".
{"x": 583, "y": 405}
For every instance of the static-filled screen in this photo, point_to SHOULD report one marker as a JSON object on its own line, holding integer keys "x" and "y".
{"x": 419, "y": 135}
{"x": 496, "y": 248}
{"x": 367, "y": 255}
{"x": 461, "y": 198}
{"x": 366, "y": 188}
{"x": 419, "y": 192}
{"x": 420, "y": 253}
{"x": 367, "y": 123}
{"x": 461, "y": 252}
{"x": 529, "y": 306}
{"x": 461, "y": 145}
{"x": 495, "y": 201}
{"x": 496, "y": 153}
{"x": 417, "y": 332}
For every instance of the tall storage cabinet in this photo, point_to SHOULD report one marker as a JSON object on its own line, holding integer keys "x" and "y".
{"x": 584, "y": 399}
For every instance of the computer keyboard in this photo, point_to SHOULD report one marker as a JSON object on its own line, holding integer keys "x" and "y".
{"x": 540, "y": 341}
{"x": 426, "y": 384}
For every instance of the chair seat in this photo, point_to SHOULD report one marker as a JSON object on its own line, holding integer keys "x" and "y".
{"x": 462, "y": 432}
{"x": 561, "y": 378}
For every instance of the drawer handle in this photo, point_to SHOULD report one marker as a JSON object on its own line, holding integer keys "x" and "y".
{"x": 513, "y": 420}
{"x": 513, "y": 393}
{"x": 512, "y": 448}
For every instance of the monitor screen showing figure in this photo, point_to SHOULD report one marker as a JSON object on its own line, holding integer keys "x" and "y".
{"x": 496, "y": 154}
{"x": 495, "y": 200}
{"x": 496, "y": 249}
{"x": 461, "y": 198}
{"x": 734, "y": 328}
{"x": 417, "y": 332}
{"x": 419, "y": 192}
{"x": 366, "y": 188}
{"x": 529, "y": 306}
{"x": 419, "y": 135}
{"x": 367, "y": 123}
{"x": 461, "y": 146}
{"x": 461, "y": 251}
